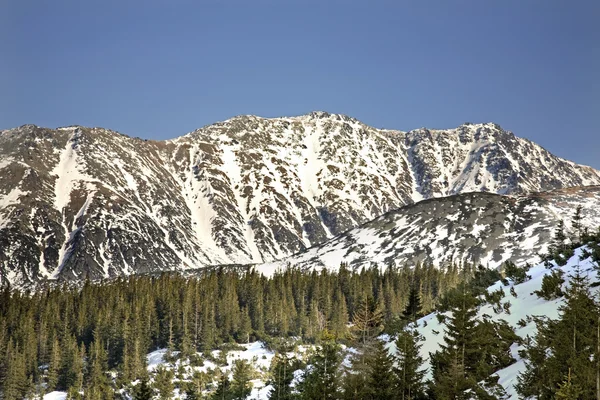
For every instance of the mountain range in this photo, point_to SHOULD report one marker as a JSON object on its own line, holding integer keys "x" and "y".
{"x": 79, "y": 202}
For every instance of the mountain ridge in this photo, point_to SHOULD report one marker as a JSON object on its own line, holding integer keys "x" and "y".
{"x": 458, "y": 228}
{"x": 78, "y": 201}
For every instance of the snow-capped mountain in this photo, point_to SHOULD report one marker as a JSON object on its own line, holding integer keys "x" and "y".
{"x": 479, "y": 228}
{"x": 79, "y": 201}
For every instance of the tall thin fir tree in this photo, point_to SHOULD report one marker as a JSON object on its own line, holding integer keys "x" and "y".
{"x": 409, "y": 365}
{"x": 381, "y": 381}
{"x": 322, "y": 379}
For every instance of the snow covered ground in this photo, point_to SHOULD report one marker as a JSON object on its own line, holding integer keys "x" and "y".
{"x": 526, "y": 304}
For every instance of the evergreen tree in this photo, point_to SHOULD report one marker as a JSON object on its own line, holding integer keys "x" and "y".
{"x": 321, "y": 381}
{"x": 381, "y": 381}
{"x": 578, "y": 225}
{"x": 142, "y": 390}
{"x": 564, "y": 351}
{"x": 408, "y": 365}
{"x": 15, "y": 383}
{"x": 355, "y": 377}
{"x": 53, "y": 366}
{"x": 568, "y": 391}
{"x": 241, "y": 387}
{"x": 163, "y": 382}
{"x": 412, "y": 312}
{"x": 223, "y": 391}
{"x": 97, "y": 384}
{"x": 454, "y": 365}
{"x": 282, "y": 375}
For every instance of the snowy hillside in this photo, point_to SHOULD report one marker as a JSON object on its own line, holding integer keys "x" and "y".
{"x": 77, "y": 202}
{"x": 524, "y": 306}
{"x": 479, "y": 228}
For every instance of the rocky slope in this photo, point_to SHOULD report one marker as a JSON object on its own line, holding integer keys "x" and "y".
{"x": 79, "y": 201}
{"x": 480, "y": 228}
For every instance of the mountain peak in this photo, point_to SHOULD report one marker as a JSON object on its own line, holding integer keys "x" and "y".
{"x": 245, "y": 190}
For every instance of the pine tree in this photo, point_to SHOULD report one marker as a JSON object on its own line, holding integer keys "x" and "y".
{"x": 142, "y": 390}
{"x": 564, "y": 348}
{"x": 568, "y": 391}
{"x": 355, "y": 377}
{"x": 223, "y": 391}
{"x": 245, "y": 328}
{"x": 381, "y": 381}
{"x": 53, "y": 366}
{"x": 322, "y": 379}
{"x": 282, "y": 375}
{"x": 412, "y": 312}
{"x": 454, "y": 365}
{"x": 241, "y": 387}
{"x": 578, "y": 225}
{"x": 97, "y": 384}
{"x": 408, "y": 365}
{"x": 16, "y": 382}
{"x": 163, "y": 382}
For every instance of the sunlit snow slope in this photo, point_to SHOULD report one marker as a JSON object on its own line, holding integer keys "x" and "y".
{"x": 77, "y": 202}
{"x": 524, "y": 306}
{"x": 479, "y": 228}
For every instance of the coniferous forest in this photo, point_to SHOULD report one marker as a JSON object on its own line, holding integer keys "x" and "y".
{"x": 91, "y": 341}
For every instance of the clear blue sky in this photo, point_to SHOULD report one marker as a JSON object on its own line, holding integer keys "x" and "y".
{"x": 159, "y": 69}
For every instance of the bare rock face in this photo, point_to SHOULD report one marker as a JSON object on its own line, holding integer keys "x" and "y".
{"x": 82, "y": 202}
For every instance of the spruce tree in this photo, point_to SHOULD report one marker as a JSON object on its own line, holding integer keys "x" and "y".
{"x": 15, "y": 383}
{"x": 143, "y": 391}
{"x": 565, "y": 348}
{"x": 381, "y": 381}
{"x": 223, "y": 391}
{"x": 568, "y": 391}
{"x": 282, "y": 375}
{"x": 241, "y": 387}
{"x": 322, "y": 378}
{"x": 163, "y": 382}
{"x": 412, "y": 312}
{"x": 354, "y": 383}
{"x": 53, "y": 366}
{"x": 408, "y": 365}
{"x": 454, "y": 365}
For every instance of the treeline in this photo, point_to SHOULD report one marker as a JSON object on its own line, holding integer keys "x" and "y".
{"x": 65, "y": 338}
{"x": 92, "y": 341}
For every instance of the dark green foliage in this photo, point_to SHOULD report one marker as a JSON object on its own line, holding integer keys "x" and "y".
{"x": 454, "y": 365}
{"x": 564, "y": 352}
{"x": 241, "y": 377}
{"x": 282, "y": 375}
{"x": 15, "y": 382}
{"x": 409, "y": 363}
{"x": 142, "y": 390}
{"x": 354, "y": 383}
{"x": 474, "y": 350}
{"x": 561, "y": 249}
{"x": 163, "y": 382}
{"x": 80, "y": 333}
{"x": 412, "y": 312}
{"x": 517, "y": 274}
{"x": 569, "y": 391}
{"x": 223, "y": 391}
{"x": 381, "y": 381}
{"x": 551, "y": 286}
{"x": 322, "y": 379}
